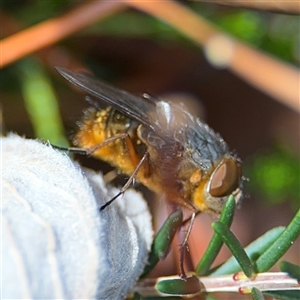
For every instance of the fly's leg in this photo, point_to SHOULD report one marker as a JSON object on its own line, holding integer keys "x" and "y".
{"x": 90, "y": 151}
{"x": 128, "y": 183}
{"x": 187, "y": 220}
{"x": 184, "y": 244}
{"x": 131, "y": 153}
{"x": 74, "y": 150}
{"x": 134, "y": 158}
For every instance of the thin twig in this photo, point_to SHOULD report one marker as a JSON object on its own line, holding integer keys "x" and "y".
{"x": 280, "y": 80}
{"x": 51, "y": 31}
{"x": 291, "y": 7}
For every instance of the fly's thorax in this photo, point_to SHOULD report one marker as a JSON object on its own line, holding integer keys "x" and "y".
{"x": 152, "y": 142}
{"x": 215, "y": 186}
{"x": 165, "y": 152}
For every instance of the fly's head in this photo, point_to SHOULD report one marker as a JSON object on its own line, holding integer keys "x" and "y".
{"x": 217, "y": 173}
{"x": 212, "y": 189}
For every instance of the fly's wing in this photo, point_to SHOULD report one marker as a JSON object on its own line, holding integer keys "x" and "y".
{"x": 137, "y": 108}
{"x": 170, "y": 121}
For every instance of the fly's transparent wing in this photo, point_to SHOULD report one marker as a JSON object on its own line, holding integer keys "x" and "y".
{"x": 137, "y": 108}
{"x": 170, "y": 121}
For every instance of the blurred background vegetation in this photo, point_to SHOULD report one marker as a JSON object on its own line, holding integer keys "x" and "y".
{"x": 140, "y": 53}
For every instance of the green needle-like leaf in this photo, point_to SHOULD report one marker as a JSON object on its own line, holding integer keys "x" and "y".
{"x": 280, "y": 246}
{"x": 283, "y": 295}
{"x": 178, "y": 286}
{"x": 291, "y": 269}
{"x": 253, "y": 250}
{"x": 234, "y": 246}
{"x": 216, "y": 242}
{"x": 257, "y": 294}
{"x": 163, "y": 239}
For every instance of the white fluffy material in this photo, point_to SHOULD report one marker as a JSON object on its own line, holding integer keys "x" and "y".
{"x": 55, "y": 242}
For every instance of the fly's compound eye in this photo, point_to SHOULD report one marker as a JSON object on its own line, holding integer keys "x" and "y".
{"x": 225, "y": 179}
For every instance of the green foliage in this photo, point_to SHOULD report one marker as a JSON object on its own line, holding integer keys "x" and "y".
{"x": 275, "y": 175}
{"x": 280, "y": 246}
{"x": 235, "y": 247}
{"x": 259, "y": 256}
{"x": 253, "y": 250}
{"x": 216, "y": 242}
{"x": 163, "y": 240}
{"x": 283, "y": 295}
{"x": 41, "y": 102}
{"x": 257, "y": 294}
{"x": 178, "y": 286}
{"x": 246, "y": 25}
{"x": 291, "y": 269}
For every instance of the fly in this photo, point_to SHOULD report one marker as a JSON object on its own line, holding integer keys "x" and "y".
{"x": 160, "y": 144}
